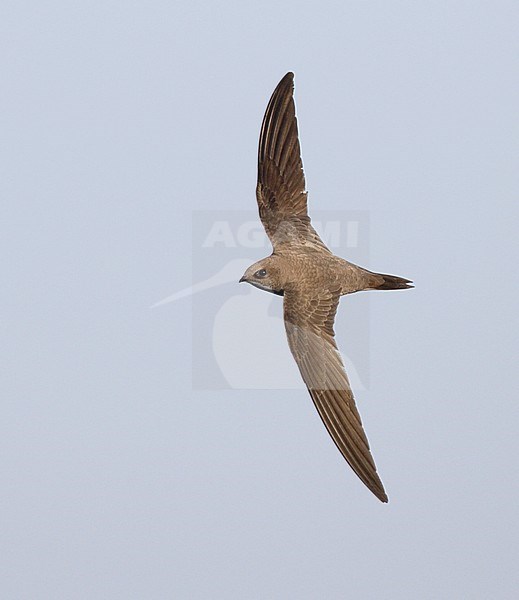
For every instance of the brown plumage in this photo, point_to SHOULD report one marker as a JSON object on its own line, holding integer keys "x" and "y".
{"x": 311, "y": 279}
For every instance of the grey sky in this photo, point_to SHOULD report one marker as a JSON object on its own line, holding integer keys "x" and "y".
{"x": 118, "y": 480}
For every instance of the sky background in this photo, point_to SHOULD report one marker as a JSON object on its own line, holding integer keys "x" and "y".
{"x": 118, "y": 120}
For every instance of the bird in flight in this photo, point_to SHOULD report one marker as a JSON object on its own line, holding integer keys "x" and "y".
{"x": 311, "y": 280}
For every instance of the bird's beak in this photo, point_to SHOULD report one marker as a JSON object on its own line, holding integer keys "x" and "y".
{"x": 242, "y": 279}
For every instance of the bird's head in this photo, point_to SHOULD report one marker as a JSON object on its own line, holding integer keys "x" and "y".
{"x": 265, "y": 275}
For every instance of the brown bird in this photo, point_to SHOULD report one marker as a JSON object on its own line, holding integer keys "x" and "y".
{"x": 311, "y": 280}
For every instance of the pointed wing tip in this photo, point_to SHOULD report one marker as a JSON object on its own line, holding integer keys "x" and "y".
{"x": 377, "y": 489}
{"x": 287, "y": 79}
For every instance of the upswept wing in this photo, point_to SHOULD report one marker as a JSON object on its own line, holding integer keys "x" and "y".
{"x": 281, "y": 189}
{"x": 309, "y": 326}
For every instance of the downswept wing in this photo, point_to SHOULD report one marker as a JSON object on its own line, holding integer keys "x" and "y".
{"x": 309, "y": 326}
{"x": 281, "y": 188}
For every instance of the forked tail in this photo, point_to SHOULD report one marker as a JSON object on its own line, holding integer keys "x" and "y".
{"x": 391, "y": 282}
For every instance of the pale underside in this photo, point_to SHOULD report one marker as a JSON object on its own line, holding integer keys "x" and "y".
{"x": 309, "y": 311}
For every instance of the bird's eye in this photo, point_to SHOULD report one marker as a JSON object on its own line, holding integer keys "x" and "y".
{"x": 261, "y": 273}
